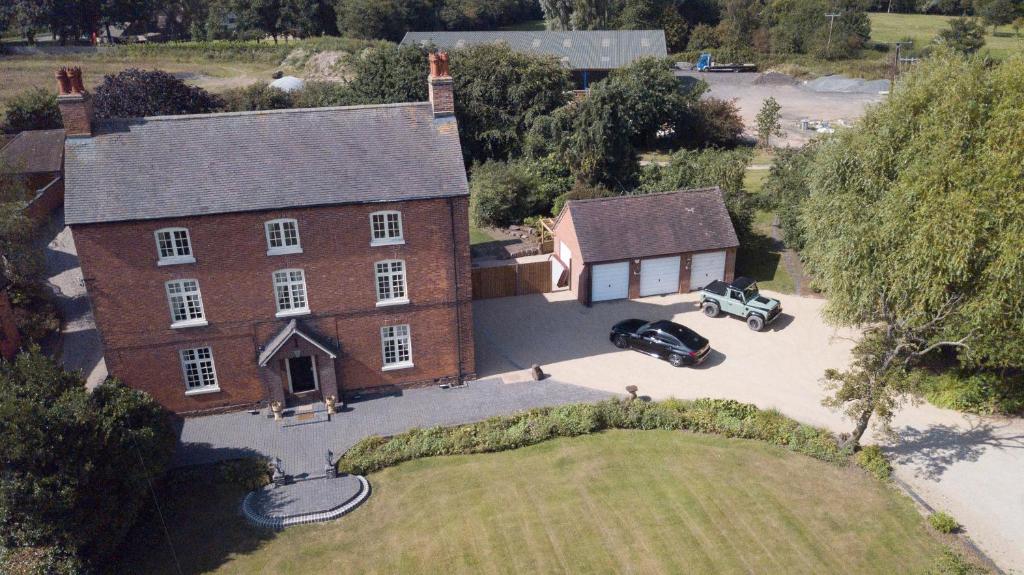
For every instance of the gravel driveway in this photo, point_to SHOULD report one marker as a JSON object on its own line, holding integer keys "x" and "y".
{"x": 972, "y": 467}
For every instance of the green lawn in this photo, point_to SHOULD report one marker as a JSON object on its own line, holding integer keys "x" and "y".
{"x": 478, "y": 236}
{"x": 619, "y": 501}
{"x": 924, "y": 27}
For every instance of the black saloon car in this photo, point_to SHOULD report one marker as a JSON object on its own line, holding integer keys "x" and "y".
{"x": 676, "y": 344}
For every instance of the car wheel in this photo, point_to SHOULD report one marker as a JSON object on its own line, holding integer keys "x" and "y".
{"x": 711, "y": 309}
{"x": 676, "y": 360}
{"x": 755, "y": 322}
{"x": 620, "y": 341}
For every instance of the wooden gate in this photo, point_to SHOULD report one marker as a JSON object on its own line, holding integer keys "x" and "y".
{"x": 513, "y": 279}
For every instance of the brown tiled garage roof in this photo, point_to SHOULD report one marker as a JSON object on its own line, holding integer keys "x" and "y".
{"x": 34, "y": 152}
{"x": 626, "y": 227}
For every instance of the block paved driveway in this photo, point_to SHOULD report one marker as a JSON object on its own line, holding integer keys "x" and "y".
{"x": 972, "y": 467}
{"x": 302, "y": 445}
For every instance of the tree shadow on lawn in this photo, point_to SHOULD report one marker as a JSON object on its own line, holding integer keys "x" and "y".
{"x": 201, "y": 507}
{"x": 932, "y": 451}
{"x": 758, "y": 258}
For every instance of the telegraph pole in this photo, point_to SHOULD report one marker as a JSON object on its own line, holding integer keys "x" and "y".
{"x": 831, "y": 21}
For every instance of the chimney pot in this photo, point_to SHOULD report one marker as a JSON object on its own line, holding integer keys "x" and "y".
{"x": 439, "y": 64}
{"x": 442, "y": 94}
{"x": 63, "y": 81}
{"x": 75, "y": 75}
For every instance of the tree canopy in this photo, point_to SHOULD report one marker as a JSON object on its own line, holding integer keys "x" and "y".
{"x": 33, "y": 109}
{"x": 76, "y": 464}
{"x": 136, "y": 93}
{"x": 914, "y": 223}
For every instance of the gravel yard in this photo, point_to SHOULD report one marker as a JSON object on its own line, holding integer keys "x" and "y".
{"x": 969, "y": 466}
{"x": 798, "y": 101}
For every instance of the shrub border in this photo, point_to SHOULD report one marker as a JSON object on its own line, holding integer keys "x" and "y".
{"x": 725, "y": 417}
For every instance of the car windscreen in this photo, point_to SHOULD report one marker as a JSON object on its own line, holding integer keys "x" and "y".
{"x": 689, "y": 338}
{"x": 750, "y": 292}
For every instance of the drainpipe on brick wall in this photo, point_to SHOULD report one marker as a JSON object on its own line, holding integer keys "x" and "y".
{"x": 455, "y": 273}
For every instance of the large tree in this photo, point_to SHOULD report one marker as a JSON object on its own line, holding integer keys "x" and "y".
{"x": 598, "y": 136}
{"x": 995, "y": 13}
{"x": 76, "y": 463}
{"x": 499, "y": 93}
{"x": 963, "y": 35}
{"x": 915, "y": 228}
{"x": 136, "y": 93}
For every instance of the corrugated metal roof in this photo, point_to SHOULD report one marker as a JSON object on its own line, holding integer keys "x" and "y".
{"x": 34, "y": 152}
{"x": 175, "y": 166}
{"x": 627, "y": 227}
{"x": 579, "y": 49}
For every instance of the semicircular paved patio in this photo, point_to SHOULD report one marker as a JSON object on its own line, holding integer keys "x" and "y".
{"x": 309, "y": 501}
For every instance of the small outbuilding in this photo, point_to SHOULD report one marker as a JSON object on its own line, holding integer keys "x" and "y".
{"x": 638, "y": 246}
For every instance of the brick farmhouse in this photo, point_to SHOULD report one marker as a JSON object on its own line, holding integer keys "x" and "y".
{"x": 235, "y": 259}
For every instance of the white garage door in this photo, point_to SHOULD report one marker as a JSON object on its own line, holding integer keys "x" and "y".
{"x": 610, "y": 281}
{"x": 707, "y": 268}
{"x": 659, "y": 275}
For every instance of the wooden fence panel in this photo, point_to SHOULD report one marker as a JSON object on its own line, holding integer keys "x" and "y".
{"x": 494, "y": 282}
{"x": 510, "y": 280}
{"x": 534, "y": 277}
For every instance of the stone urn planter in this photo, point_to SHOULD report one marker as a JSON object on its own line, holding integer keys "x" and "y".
{"x": 331, "y": 402}
{"x": 277, "y": 408}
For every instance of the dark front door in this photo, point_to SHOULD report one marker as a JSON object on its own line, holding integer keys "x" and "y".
{"x": 300, "y": 374}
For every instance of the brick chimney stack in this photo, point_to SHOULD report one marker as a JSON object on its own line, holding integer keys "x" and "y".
{"x": 74, "y": 102}
{"x": 442, "y": 94}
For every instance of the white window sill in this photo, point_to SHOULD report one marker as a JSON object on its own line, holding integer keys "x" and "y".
{"x": 176, "y": 260}
{"x": 390, "y": 302}
{"x": 189, "y": 323}
{"x": 203, "y": 390}
{"x": 292, "y": 312}
{"x": 390, "y": 242}
{"x": 394, "y": 366}
{"x": 284, "y": 251}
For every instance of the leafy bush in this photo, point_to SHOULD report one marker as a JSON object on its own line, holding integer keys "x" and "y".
{"x": 33, "y": 109}
{"x": 502, "y": 193}
{"x": 719, "y": 416}
{"x": 258, "y": 96}
{"x": 874, "y": 461}
{"x": 983, "y": 392}
{"x": 943, "y": 522}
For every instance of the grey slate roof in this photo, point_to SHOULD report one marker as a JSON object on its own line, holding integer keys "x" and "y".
{"x": 627, "y": 227}
{"x": 579, "y": 49}
{"x": 33, "y": 152}
{"x": 176, "y": 166}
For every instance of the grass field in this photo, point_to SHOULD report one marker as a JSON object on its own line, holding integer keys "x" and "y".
{"x": 23, "y": 72}
{"x": 924, "y": 27}
{"x": 622, "y": 501}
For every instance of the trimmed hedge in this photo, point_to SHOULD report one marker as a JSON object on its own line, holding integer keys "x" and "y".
{"x": 718, "y": 416}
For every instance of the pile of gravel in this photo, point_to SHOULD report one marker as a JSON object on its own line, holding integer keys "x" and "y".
{"x": 775, "y": 79}
{"x": 838, "y": 83}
